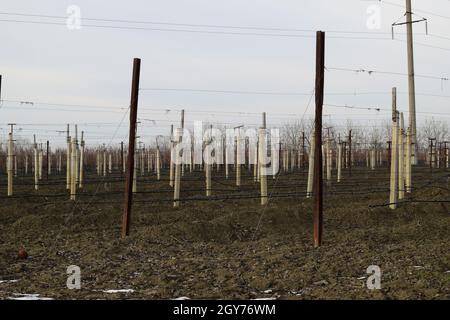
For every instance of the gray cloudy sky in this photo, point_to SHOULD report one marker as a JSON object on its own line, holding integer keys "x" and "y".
{"x": 54, "y": 67}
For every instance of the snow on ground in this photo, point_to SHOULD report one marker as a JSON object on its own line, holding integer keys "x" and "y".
{"x": 8, "y": 281}
{"x": 28, "y": 296}
{"x": 119, "y": 291}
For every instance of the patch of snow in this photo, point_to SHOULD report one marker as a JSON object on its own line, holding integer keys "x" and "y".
{"x": 182, "y": 298}
{"x": 8, "y": 281}
{"x": 119, "y": 291}
{"x": 268, "y": 291}
{"x": 27, "y": 296}
{"x": 361, "y": 278}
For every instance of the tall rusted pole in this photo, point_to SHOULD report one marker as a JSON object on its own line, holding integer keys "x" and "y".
{"x": 318, "y": 183}
{"x": 131, "y": 144}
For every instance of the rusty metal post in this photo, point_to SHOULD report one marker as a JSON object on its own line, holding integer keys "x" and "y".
{"x": 131, "y": 145}
{"x": 318, "y": 182}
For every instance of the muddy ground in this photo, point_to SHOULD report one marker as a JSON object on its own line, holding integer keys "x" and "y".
{"x": 228, "y": 248}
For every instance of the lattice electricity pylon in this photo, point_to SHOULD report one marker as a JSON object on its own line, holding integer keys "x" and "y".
{"x": 397, "y": 23}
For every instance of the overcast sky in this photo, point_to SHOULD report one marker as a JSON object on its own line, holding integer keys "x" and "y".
{"x": 53, "y": 66}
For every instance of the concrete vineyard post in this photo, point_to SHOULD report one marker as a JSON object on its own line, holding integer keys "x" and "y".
{"x": 227, "y": 160}
{"x": 73, "y": 186}
{"x": 262, "y": 147}
{"x": 367, "y": 158}
{"x": 303, "y": 152}
{"x": 393, "y": 196}
{"x": 447, "y": 153}
{"x": 208, "y": 176}
{"x": 41, "y": 156}
{"x": 350, "y": 157}
{"x": 401, "y": 160}
{"x": 15, "y": 164}
{"x": 10, "y": 163}
{"x": 274, "y": 161}
{"x": 48, "y": 160}
{"x": 262, "y": 166}
{"x": 208, "y": 168}
{"x": 292, "y": 160}
{"x": 77, "y": 157}
{"x": 339, "y": 162}
{"x": 255, "y": 165}
{"x": 104, "y": 162}
{"x": 312, "y": 147}
{"x": 149, "y": 162}
{"x": 238, "y": 157}
{"x": 68, "y": 158}
{"x": 109, "y": 163}
{"x": 408, "y": 162}
{"x": 158, "y": 164}
{"x": 172, "y": 157}
{"x": 82, "y": 160}
{"x": 191, "y": 164}
{"x": 141, "y": 159}
{"x": 372, "y": 159}
{"x": 329, "y": 154}
{"x": 36, "y": 162}
{"x": 59, "y": 161}
{"x": 98, "y": 161}
{"x": 177, "y": 159}
{"x": 122, "y": 160}
{"x": 134, "y": 189}
{"x": 26, "y": 163}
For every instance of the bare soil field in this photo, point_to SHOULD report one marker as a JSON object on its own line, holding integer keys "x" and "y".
{"x": 227, "y": 248}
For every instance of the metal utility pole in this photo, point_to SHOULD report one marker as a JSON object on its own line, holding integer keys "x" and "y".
{"x": 318, "y": 182}
{"x": 131, "y": 145}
